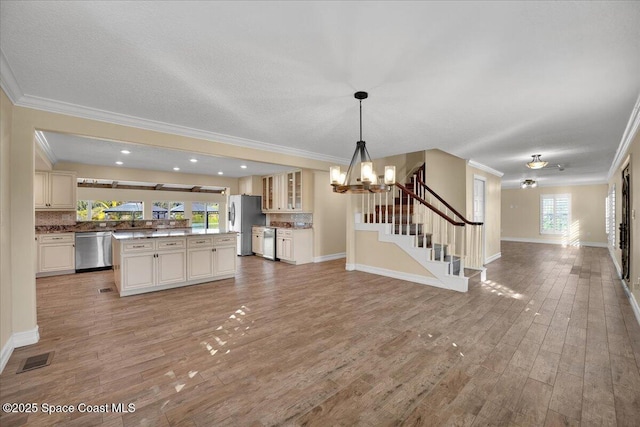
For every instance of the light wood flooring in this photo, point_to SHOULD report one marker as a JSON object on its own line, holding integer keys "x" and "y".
{"x": 550, "y": 340}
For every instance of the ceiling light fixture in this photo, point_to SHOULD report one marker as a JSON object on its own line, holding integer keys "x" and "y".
{"x": 243, "y": 166}
{"x": 125, "y": 151}
{"x": 118, "y": 162}
{"x": 529, "y": 183}
{"x": 193, "y": 160}
{"x": 536, "y": 163}
{"x": 220, "y": 173}
{"x": 176, "y": 168}
{"x": 368, "y": 182}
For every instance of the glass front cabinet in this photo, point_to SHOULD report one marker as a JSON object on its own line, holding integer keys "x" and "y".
{"x": 287, "y": 192}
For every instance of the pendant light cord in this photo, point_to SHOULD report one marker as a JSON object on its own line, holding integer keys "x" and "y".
{"x": 361, "y": 120}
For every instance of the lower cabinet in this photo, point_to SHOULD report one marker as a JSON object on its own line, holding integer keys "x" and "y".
{"x": 294, "y": 246}
{"x": 257, "y": 242}
{"x": 162, "y": 263}
{"x": 56, "y": 254}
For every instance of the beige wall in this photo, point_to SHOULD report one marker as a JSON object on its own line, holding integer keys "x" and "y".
{"x": 447, "y": 176}
{"x": 404, "y": 163}
{"x": 371, "y": 252}
{"x": 6, "y": 312}
{"x": 250, "y": 185}
{"x": 521, "y": 214}
{"x": 24, "y": 122}
{"x": 492, "y": 220}
{"x": 329, "y": 217}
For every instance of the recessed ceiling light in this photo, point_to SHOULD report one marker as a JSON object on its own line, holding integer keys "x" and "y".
{"x": 220, "y": 173}
{"x": 176, "y": 168}
{"x": 118, "y": 162}
{"x": 193, "y": 160}
{"x": 125, "y": 151}
{"x": 243, "y": 166}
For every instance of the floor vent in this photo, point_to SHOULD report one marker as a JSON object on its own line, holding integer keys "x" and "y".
{"x": 35, "y": 362}
{"x": 105, "y": 290}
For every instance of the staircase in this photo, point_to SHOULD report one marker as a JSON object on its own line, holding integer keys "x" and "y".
{"x": 428, "y": 229}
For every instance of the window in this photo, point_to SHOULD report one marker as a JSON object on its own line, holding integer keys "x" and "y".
{"x": 555, "y": 213}
{"x": 168, "y": 210}
{"x": 103, "y": 210}
{"x": 205, "y": 215}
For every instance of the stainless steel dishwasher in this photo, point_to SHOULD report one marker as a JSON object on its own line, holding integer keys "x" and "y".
{"x": 269, "y": 243}
{"x": 93, "y": 251}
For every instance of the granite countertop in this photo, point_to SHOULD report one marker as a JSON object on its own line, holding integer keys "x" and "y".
{"x": 128, "y": 235}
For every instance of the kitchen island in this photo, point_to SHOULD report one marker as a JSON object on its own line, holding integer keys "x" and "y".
{"x": 148, "y": 261}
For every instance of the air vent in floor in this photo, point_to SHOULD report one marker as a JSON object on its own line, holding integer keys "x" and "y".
{"x": 103, "y": 290}
{"x": 35, "y": 362}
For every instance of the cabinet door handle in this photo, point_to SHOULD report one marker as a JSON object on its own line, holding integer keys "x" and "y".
{"x": 56, "y": 238}
{"x": 200, "y": 241}
{"x": 171, "y": 244}
{"x": 138, "y": 246}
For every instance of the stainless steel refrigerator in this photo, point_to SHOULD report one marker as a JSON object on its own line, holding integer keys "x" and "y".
{"x": 244, "y": 212}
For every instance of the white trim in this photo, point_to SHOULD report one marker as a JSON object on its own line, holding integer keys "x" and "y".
{"x": 44, "y": 146}
{"x": 17, "y": 339}
{"x": 8, "y": 81}
{"x": 7, "y": 350}
{"x": 554, "y": 242}
{"x": 20, "y": 339}
{"x": 632, "y": 300}
{"x": 627, "y": 138}
{"x": 330, "y": 257}
{"x": 485, "y": 168}
{"x": 350, "y": 267}
{"x": 493, "y": 258}
{"x": 431, "y": 281}
{"x": 60, "y": 107}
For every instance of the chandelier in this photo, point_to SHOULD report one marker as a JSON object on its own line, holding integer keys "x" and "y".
{"x": 536, "y": 163}
{"x": 369, "y": 181}
{"x": 528, "y": 183}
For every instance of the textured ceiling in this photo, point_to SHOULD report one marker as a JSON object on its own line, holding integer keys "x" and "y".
{"x": 494, "y": 82}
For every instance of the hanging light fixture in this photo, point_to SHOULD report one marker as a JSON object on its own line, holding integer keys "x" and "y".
{"x": 536, "y": 163}
{"x": 529, "y": 183}
{"x": 368, "y": 182}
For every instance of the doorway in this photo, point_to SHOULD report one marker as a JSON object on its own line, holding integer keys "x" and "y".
{"x": 625, "y": 225}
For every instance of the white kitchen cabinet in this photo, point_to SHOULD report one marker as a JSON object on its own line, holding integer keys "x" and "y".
{"x": 156, "y": 263}
{"x": 288, "y": 192}
{"x": 257, "y": 240}
{"x": 56, "y": 254}
{"x": 171, "y": 267}
{"x": 55, "y": 190}
{"x": 224, "y": 255}
{"x": 294, "y": 246}
{"x": 200, "y": 258}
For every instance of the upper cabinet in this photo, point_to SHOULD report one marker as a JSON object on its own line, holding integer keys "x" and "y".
{"x": 288, "y": 192}
{"x": 55, "y": 190}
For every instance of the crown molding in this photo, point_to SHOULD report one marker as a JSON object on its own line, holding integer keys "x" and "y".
{"x": 8, "y": 81}
{"x": 75, "y": 110}
{"x": 45, "y": 147}
{"x": 485, "y": 168}
{"x": 628, "y": 136}
{"x": 516, "y": 186}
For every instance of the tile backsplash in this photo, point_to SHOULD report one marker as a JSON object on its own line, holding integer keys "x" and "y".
{"x": 290, "y": 220}
{"x": 55, "y": 218}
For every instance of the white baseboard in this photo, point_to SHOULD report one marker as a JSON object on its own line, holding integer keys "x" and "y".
{"x": 349, "y": 267}
{"x": 554, "y": 242}
{"x": 431, "y": 281}
{"x": 17, "y": 339}
{"x": 330, "y": 257}
{"x": 20, "y": 339}
{"x": 5, "y": 354}
{"x": 632, "y": 299}
{"x": 493, "y": 258}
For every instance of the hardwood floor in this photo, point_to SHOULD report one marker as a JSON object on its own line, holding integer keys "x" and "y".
{"x": 550, "y": 340}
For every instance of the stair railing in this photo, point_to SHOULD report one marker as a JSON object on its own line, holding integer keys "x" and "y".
{"x": 474, "y": 231}
{"x": 424, "y": 215}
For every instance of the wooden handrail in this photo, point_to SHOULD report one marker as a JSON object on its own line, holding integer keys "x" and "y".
{"x": 444, "y": 202}
{"x": 429, "y": 205}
